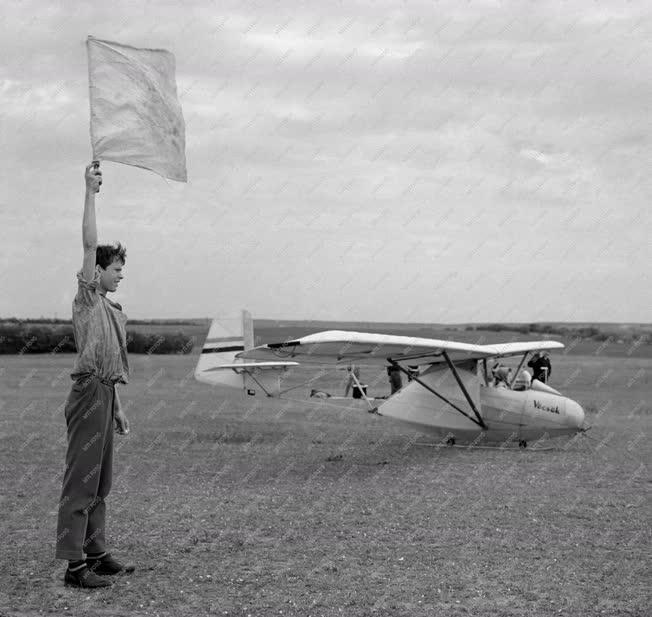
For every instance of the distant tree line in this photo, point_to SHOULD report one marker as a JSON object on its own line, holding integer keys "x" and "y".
{"x": 135, "y": 322}
{"x": 583, "y": 332}
{"x": 19, "y": 337}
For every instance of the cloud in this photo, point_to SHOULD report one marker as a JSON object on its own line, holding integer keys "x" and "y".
{"x": 441, "y": 138}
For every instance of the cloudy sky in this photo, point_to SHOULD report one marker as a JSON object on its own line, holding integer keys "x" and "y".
{"x": 404, "y": 161}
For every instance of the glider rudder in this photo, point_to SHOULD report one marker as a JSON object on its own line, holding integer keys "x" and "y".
{"x": 226, "y": 338}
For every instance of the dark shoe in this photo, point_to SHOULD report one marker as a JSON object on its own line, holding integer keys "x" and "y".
{"x": 85, "y": 578}
{"x": 107, "y": 566}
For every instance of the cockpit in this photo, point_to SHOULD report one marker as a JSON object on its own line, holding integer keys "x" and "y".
{"x": 502, "y": 376}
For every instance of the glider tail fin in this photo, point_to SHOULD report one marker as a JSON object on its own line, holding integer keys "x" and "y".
{"x": 219, "y": 365}
{"x": 226, "y": 338}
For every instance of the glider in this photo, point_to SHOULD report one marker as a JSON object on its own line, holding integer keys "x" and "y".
{"x": 452, "y": 394}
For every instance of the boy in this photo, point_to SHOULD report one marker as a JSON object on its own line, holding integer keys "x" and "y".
{"x": 93, "y": 406}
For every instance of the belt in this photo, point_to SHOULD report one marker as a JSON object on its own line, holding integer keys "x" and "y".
{"x": 106, "y": 382}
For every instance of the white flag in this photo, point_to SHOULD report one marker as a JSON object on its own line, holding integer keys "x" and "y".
{"x": 136, "y": 118}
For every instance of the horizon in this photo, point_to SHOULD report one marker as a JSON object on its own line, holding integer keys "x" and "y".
{"x": 190, "y": 320}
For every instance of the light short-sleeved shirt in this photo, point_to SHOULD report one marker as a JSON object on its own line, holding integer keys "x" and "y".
{"x": 99, "y": 326}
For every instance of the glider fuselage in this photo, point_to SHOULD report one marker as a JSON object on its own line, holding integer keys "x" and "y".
{"x": 507, "y": 414}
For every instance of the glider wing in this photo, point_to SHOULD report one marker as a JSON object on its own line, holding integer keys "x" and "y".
{"x": 339, "y": 347}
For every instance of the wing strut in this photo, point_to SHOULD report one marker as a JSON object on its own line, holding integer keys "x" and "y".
{"x": 460, "y": 383}
{"x": 258, "y": 382}
{"x": 518, "y": 370}
{"x": 443, "y": 398}
{"x": 362, "y": 392}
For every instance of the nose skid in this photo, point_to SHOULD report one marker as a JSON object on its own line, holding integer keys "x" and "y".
{"x": 575, "y": 414}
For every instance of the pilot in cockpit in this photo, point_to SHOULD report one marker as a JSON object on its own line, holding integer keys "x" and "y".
{"x": 502, "y": 375}
{"x": 523, "y": 381}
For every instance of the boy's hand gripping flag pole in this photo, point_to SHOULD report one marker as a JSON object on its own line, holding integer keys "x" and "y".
{"x": 136, "y": 117}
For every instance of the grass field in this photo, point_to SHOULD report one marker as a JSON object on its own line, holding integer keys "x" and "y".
{"x": 235, "y": 506}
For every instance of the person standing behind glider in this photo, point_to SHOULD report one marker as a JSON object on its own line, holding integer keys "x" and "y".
{"x": 93, "y": 406}
{"x": 541, "y": 367}
{"x": 352, "y": 370}
{"x": 395, "y": 381}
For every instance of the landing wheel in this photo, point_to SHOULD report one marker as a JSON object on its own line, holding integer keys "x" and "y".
{"x": 522, "y": 444}
{"x": 450, "y": 441}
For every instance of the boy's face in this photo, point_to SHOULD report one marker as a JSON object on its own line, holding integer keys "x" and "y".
{"x": 111, "y": 277}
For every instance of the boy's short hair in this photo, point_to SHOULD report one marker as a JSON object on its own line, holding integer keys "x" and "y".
{"x": 106, "y": 254}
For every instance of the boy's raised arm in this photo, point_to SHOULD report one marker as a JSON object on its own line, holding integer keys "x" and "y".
{"x": 93, "y": 178}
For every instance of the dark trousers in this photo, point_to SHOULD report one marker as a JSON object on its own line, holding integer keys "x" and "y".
{"x": 89, "y": 460}
{"x": 359, "y": 392}
{"x": 395, "y": 382}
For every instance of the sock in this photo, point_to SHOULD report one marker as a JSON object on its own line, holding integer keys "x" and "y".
{"x": 97, "y": 556}
{"x": 73, "y": 566}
